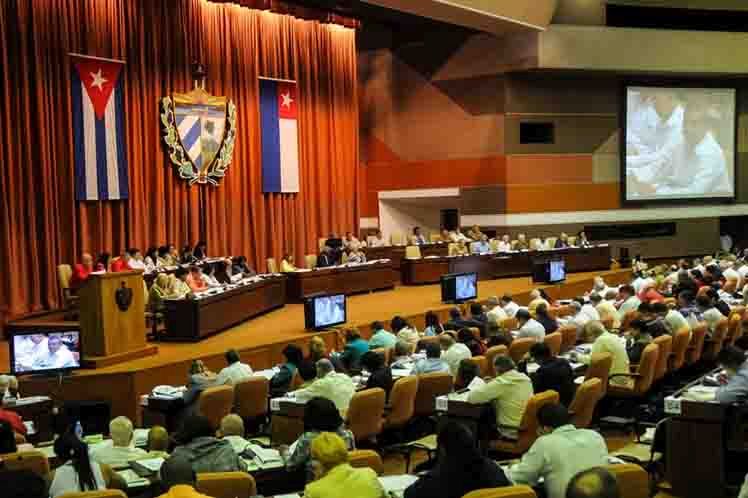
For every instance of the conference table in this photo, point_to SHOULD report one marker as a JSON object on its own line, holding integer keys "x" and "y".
{"x": 343, "y": 279}
{"x": 702, "y": 427}
{"x": 221, "y": 308}
{"x": 429, "y": 269}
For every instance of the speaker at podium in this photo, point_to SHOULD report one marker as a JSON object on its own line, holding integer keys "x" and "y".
{"x": 112, "y": 319}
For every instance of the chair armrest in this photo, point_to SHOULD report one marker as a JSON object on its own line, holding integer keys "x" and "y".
{"x": 629, "y": 376}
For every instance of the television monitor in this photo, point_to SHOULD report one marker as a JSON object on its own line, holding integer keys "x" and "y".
{"x": 45, "y": 350}
{"x": 325, "y": 310}
{"x": 680, "y": 144}
{"x": 549, "y": 271}
{"x": 459, "y": 287}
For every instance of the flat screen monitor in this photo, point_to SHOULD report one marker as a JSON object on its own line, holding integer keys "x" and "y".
{"x": 323, "y": 311}
{"x": 459, "y": 287}
{"x": 679, "y": 144}
{"x": 549, "y": 271}
{"x": 45, "y": 350}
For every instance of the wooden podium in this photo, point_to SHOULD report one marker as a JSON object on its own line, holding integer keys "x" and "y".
{"x": 112, "y": 319}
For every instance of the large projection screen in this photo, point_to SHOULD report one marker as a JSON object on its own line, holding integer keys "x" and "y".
{"x": 680, "y": 144}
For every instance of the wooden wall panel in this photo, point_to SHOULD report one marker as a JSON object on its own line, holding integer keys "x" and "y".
{"x": 562, "y": 197}
{"x": 549, "y": 168}
{"x": 402, "y": 175}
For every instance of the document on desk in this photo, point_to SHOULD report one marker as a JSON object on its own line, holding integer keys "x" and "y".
{"x": 268, "y": 374}
{"x": 153, "y": 465}
{"x": 701, "y": 393}
{"x": 403, "y": 371}
{"x": 442, "y": 402}
{"x": 140, "y": 438}
{"x": 133, "y": 480}
{"x": 266, "y": 458}
{"x": 397, "y": 484}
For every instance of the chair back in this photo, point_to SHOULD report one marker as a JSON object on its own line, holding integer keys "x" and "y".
{"x": 733, "y": 328}
{"x": 646, "y": 369}
{"x": 628, "y": 318}
{"x": 412, "y": 252}
{"x": 311, "y": 261}
{"x": 250, "y": 397}
{"x": 633, "y": 480}
{"x": 716, "y": 343}
{"x": 585, "y": 400}
{"x": 599, "y": 368}
{"x": 693, "y": 354}
{"x": 528, "y": 428}
{"x": 730, "y": 286}
{"x": 64, "y": 274}
{"x": 568, "y": 337}
{"x": 431, "y": 386}
{"x": 365, "y": 413}
{"x": 494, "y": 244}
{"x": 104, "y": 493}
{"x": 491, "y": 355}
{"x": 226, "y": 484}
{"x": 366, "y": 458}
{"x": 397, "y": 239}
{"x": 272, "y": 265}
{"x": 514, "y": 244}
{"x": 482, "y": 364}
{"x": 321, "y": 243}
{"x": 518, "y": 491}
{"x": 452, "y": 249}
{"x": 534, "y": 244}
{"x": 665, "y": 343}
{"x": 386, "y": 354}
{"x": 680, "y": 346}
{"x": 553, "y": 341}
{"x": 520, "y": 347}
{"x": 435, "y": 237}
{"x": 33, "y": 460}
{"x": 215, "y": 403}
{"x": 402, "y": 402}
{"x": 344, "y": 258}
{"x": 509, "y": 323}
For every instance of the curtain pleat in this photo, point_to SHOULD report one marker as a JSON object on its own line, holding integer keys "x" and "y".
{"x": 42, "y": 225}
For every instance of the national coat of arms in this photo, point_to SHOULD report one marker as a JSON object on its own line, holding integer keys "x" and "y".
{"x": 199, "y": 132}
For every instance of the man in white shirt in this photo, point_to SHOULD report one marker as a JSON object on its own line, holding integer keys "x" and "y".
{"x": 509, "y": 393}
{"x": 729, "y": 272}
{"x": 27, "y": 348}
{"x": 605, "y": 342}
{"x": 232, "y": 430}
{"x": 549, "y": 457}
{"x": 235, "y": 372}
{"x": 56, "y": 356}
{"x": 529, "y": 327}
{"x": 453, "y": 352}
{"x": 599, "y": 286}
{"x": 120, "y": 450}
{"x": 580, "y": 318}
{"x": 505, "y": 244}
{"x": 337, "y": 387}
{"x": 457, "y": 236}
{"x": 377, "y": 240}
{"x": 630, "y": 302}
{"x": 709, "y": 313}
{"x": 509, "y": 306}
{"x": 495, "y": 313}
{"x": 605, "y": 309}
{"x": 482, "y": 246}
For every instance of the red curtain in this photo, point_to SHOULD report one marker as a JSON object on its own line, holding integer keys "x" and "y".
{"x": 42, "y": 225}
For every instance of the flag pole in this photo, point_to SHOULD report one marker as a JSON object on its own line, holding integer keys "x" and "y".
{"x": 276, "y": 79}
{"x": 74, "y": 54}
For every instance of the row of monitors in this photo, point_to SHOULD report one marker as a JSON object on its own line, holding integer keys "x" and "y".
{"x": 59, "y": 349}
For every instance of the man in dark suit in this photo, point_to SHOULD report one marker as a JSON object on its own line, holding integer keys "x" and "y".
{"x": 325, "y": 258}
{"x": 554, "y": 373}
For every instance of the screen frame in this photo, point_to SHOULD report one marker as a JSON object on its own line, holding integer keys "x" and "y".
{"x": 450, "y": 279}
{"x": 13, "y": 332}
{"x": 675, "y": 84}
{"x": 310, "y": 311}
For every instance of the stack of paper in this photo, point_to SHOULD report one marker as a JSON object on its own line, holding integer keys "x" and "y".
{"x": 396, "y": 485}
{"x": 133, "y": 480}
{"x": 140, "y": 438}
{"x": 266, "y": 458}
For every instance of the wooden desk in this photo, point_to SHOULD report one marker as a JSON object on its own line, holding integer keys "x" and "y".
{"x": 696, "y": 446}
{"x": 193, "y": 319}
{"x": 501, "y": 265}
{"x": 476, "y": 417}
{"x": 37, "y": 410}
{"x": 340, "y": 280}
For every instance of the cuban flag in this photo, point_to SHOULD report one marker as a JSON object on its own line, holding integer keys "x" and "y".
{"x": 280, "y": 137}
{"x": 99, "y": 129}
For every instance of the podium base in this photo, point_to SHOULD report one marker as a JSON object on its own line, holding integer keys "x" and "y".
{"x": 108, "y": 361}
